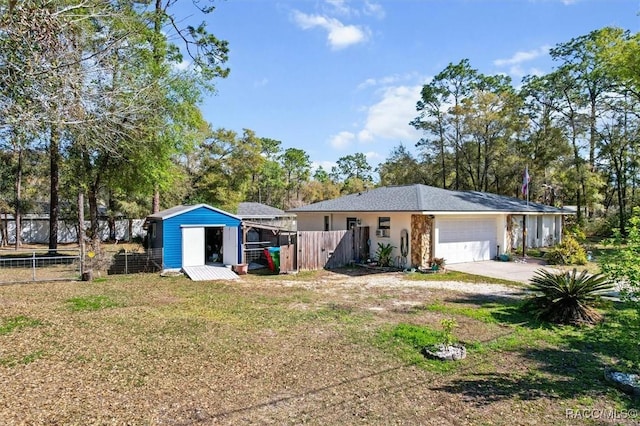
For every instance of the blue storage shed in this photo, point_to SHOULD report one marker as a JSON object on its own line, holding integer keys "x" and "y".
{"x": 195, "y": 235}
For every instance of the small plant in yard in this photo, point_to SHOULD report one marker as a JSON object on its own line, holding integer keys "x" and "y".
{"x": 438, "y": 263}
{"x": 448, "y": 324}
{"x": 447, "y": 350}
{"x": 567, "y": 297}
{"x": 384, "y": 254}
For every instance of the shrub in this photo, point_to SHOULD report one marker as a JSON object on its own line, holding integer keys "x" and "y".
{"x": 448, "y": 324}
{"x": 568, "y": 252}
{"x": 438, "y": 263}
{"x": 621, "y": 263}
{"x": 567, "y": 297}
{"x": 384, "y": 254}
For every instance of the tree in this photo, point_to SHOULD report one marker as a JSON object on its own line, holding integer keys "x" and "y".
{"x": 268, "y": 176}
{"x": 207, "y": 53}
{"x": 353, "y": 171}
{"x": 401, "y": 168}
{"x": 297, "y": 169}
{"x": 225, "y": 174}
{"x": 440, "y": 114}
{"x": 492, "y": 120}
{"x": 559, "y": 92}
{"x": 621, "y": 264}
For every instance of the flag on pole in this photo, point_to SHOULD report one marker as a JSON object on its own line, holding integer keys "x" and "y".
{"x": 525, "y": 182}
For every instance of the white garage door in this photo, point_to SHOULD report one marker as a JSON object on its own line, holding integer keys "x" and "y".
{"x": 465, "y": 240}
{"x": 192, "y": 246}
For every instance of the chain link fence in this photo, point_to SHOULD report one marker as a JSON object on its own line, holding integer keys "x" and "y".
{"x": 39, "y": 265}
{"x": 135, "y": 261}
{"x": 65, "y": 265}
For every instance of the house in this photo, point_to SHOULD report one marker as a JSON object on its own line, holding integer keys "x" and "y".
{"x": 424, "y": 222}
{"x": 195, "y": 235}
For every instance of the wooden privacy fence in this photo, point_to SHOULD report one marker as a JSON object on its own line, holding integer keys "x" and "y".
{"x": 332, "y": 249}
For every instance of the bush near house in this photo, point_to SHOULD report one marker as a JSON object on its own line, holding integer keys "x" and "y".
{"x": 568, "y": 252}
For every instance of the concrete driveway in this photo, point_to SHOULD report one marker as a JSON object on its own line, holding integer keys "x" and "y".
{"x": 520, "y": 270}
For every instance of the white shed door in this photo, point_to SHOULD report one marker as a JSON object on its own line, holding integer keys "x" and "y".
{"x": 192, "y": 246}
{"x": 230, "y": 245}
{"x": 465, "y": 240}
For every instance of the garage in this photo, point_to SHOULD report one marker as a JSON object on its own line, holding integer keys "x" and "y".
{"x": 466, "y": 240}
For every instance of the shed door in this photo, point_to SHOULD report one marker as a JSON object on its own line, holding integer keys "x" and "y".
{"x": 466, "y": 240}
{"x": 230, "y": 245}
{"x": 192, "y": 247}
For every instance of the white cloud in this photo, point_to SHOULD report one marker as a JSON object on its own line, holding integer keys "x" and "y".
{"x": 374, "y": 157}
{"x": 339, "y": 6}
{"x": 342, "y": 140}
{"x": 373, "y": 9}
{"x": 182, "y": 66}
{"x": 343, "y": 8}
{"x": 389, "y": 80}
{"x": 522, "y": 56}
{"x": 339, "y": 35}
{"x": 389, "y": 118}
{"x": 326, "y": 165}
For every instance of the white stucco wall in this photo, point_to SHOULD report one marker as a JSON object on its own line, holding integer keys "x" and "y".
{"x": 542, "y": 230}
{"x": 36, "y": 231}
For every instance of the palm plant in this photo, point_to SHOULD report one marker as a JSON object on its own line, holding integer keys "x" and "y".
{"x": 567, "y": 297}
{"x": 384, "y": 254}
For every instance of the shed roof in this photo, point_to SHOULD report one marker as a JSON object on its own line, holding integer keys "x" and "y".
{"x": 425, "y": 198}
{"x": 259, "y": 210}
{"x": 178, "y": 210}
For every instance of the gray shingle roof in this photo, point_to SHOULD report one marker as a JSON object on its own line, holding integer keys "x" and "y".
{"x": 254, "y": 210}
{"x": 427, "y": 199}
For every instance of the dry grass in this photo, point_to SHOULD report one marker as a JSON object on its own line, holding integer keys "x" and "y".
{"x": 288, "y": 350}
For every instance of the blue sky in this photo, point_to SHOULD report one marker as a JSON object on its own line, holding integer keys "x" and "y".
{"x": 337, "y": 77}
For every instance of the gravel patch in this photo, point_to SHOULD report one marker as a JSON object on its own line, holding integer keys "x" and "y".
{"x": 397, "y": 280}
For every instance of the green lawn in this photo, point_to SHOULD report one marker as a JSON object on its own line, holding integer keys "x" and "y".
{"x": 319, "y": 348}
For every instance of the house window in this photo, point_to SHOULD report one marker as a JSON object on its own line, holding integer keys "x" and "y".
{"x": 384, "y": 223}
{"x": 326, "y": 223}
{"x": 539, "y": 228}
{"x": 351, "y": 222}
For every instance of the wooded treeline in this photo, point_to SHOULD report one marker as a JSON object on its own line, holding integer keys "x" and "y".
{"x": 102, "y": 98}
{"x": 576, "y": 129}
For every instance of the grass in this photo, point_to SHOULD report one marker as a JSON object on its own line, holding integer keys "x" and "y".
{"x": 91, "y": 303}
{"x": 569, "y": 361}
{"x": 8, "y": 325}
{"x": 309, "y": 349}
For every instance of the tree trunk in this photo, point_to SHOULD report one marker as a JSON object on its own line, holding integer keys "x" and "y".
{"x": 156, "y": 201}
{"x": 54, "y": 205}
{"x": 111, "y": 219}
{"x": 18, "y": 201}
{"x": 94, "y": 225}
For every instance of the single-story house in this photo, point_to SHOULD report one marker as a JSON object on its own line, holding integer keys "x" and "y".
{"x": 195, "y": 236}
{"x": 423, "y": 222}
